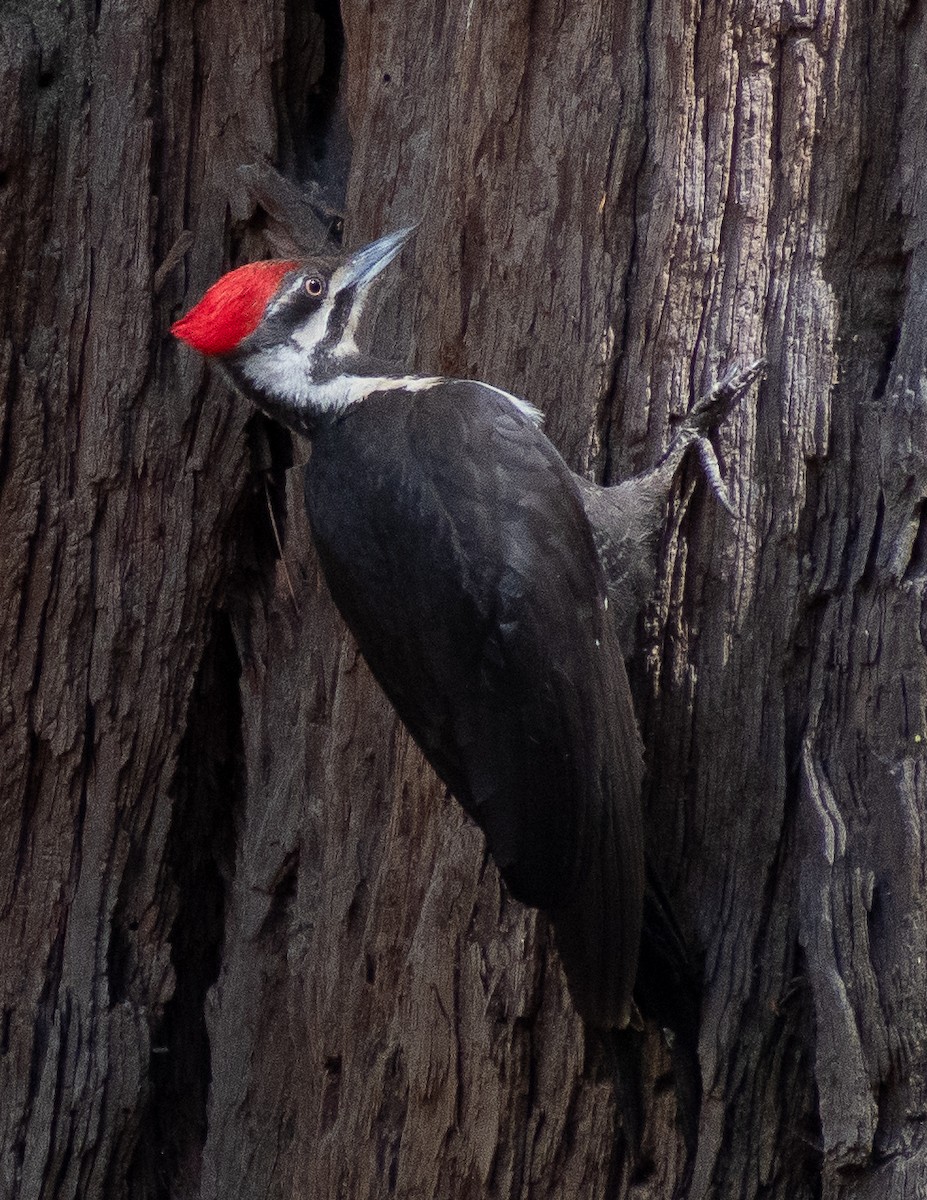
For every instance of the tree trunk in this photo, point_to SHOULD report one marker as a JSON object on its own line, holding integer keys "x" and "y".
{"x": 248, "y": 946}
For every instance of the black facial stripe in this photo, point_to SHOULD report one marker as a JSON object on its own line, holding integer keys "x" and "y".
{"x": 338, "y": 319}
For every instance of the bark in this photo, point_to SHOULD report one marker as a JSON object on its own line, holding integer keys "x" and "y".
{"x": 247, "y": 945}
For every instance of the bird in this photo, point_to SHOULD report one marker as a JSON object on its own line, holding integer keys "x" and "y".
{"x": 455, "y": 543}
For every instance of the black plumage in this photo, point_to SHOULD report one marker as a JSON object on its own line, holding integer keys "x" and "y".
{"x": 454, "y": 542}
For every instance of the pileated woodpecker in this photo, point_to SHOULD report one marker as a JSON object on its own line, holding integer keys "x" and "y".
{"x": 454, "y": 542}
{"x": 456, "y": 545}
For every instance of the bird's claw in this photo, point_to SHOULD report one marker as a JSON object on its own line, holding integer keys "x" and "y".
{"x": 709, "y": 460}
{"x": 710, "y": 409}
{"x": 705, "y": 415}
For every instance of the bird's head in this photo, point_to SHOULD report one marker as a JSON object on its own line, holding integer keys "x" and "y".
{"x": 283, "y": 329}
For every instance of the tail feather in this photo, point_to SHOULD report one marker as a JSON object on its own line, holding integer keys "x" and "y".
{"x": 668, "y": 979}
{"x": 668, "y": 991}
{"x": 598, "y": 931}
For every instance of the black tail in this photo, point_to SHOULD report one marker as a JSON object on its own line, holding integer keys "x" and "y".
{"x": 668, "y": 991}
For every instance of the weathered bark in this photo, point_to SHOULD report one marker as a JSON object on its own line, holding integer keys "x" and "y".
{"x": 247, "y": 946}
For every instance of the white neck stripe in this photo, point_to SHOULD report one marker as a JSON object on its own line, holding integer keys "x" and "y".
{"x": 287, "y": 372}
{"x": 344, "y": 390}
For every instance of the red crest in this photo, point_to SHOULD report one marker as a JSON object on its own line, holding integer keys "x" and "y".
{"x": 232, "y": 308}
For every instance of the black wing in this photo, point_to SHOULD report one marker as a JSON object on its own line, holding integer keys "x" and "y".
{"x": 454, "y": 542}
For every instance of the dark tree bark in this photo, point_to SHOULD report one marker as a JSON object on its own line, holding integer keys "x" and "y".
{"x": 248, "y": 947}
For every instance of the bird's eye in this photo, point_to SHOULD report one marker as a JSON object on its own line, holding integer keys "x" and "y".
{"x": 314, "y": 286}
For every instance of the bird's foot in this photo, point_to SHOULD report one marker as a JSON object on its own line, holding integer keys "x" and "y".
{"x": 707, "y": 413}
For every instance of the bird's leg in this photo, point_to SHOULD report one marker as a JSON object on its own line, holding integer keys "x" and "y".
{"x": 626, "y": 519}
